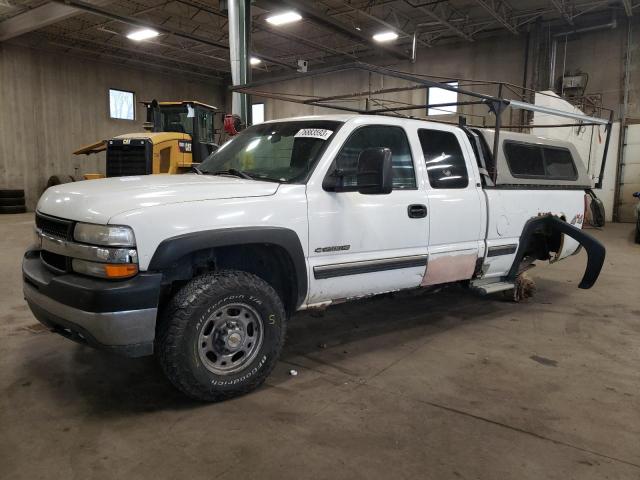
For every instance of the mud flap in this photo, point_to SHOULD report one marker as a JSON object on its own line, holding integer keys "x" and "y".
{"x": 595, "y": 250}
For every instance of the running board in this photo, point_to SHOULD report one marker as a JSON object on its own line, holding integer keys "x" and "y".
{"x": 493, "y": 287}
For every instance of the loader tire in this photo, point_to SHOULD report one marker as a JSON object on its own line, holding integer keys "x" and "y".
{"x": 58, "y": 180}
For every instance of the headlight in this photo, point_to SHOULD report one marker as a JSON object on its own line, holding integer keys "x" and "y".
{"x": 110, "y": 236}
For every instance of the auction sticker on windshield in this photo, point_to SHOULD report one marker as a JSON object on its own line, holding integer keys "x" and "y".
{"x": 320, "y": 133}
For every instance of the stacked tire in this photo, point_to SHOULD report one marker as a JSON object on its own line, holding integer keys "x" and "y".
{"x": 12, "y": 201}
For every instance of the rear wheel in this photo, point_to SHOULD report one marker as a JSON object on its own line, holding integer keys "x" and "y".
{"x": 221, "y": 335}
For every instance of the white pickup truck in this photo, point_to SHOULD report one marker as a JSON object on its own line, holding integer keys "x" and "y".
{"x": 205, "y": 269}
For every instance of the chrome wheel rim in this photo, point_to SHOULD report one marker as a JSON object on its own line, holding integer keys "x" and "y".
{"x": 230, "y": 338}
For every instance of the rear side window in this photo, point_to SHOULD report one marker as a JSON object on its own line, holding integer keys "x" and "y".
{"x": 393, "y": 138}
{"x": 444, "y": 159}
{"x": 538, "y": 161}
{"x": 559, "y": 163}
{"x": 524, "y": 160}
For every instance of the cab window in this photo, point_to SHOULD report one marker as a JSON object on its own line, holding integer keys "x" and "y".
{"x": 443, "y": 156}
{"x": 176, "y": 119}
{"x": 376, "y": 136}
{"x": 205, "y": 126}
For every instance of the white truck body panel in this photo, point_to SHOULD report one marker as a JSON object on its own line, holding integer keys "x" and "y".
{"x": 460, "y": 227}
{"x": 97, "y": 201}
{"x": 511, "y": 209}
{"x": 287, "y": 208}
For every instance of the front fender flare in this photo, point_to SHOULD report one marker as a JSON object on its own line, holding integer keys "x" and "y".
{"x": 171, "y": 250}
{"x": 595, "y": 250}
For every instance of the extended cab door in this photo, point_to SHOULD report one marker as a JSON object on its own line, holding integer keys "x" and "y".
{"x": 365, "y": 244}
{"x": 457, "y": 211}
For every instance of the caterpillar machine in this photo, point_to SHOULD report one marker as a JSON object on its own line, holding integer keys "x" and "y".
{"x": 178, "y": 136}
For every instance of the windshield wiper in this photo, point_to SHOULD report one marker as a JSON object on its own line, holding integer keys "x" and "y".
{"x": 232, "y": 171}
{"x": 196, "y": 170}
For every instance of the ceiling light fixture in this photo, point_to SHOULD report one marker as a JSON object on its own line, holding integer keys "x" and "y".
{"x": 284, "y": 18}
{"x": 142, "y": 34}
{"x": 255, "y": 61}
{"x": 385, "y": 36}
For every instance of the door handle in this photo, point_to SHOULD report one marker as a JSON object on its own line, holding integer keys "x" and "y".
{"x": 417, "y": 210}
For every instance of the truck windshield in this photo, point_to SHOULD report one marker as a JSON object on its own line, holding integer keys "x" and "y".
{"x": 281, "y": 151}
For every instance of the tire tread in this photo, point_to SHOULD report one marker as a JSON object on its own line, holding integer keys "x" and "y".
{"x": 176, "y": 318}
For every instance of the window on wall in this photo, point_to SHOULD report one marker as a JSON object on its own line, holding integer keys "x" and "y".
{"x": 376, "y": 136}
{"x": 122, "y": 104}
{"x": 444, "y": 159}
{"x": 257, "y": 113}
{"x": 436, "y": 96}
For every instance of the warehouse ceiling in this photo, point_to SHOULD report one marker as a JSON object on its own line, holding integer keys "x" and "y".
{"x": 194, "y": 37}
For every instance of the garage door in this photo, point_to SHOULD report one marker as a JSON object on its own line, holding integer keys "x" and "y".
{"x": 629, "y": 175}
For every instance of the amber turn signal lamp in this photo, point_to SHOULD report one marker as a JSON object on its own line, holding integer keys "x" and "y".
{"x": 120, "y": 270}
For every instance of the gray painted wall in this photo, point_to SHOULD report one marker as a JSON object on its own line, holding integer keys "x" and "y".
{"x": 53, "y": 104}
{"x": 492, "y": 59}
{"x": 599, "y": 53}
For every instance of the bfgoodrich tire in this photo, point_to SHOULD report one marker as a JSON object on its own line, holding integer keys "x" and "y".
{"x": 221, "y": 335}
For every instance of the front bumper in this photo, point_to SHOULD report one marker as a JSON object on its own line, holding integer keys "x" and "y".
{"x": 119, "y": 316}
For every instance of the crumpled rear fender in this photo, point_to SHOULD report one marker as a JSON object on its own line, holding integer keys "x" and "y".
{"x": 595, "y": 250}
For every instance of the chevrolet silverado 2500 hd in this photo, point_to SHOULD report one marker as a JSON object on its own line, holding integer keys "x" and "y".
{"x": 204, "y": 269}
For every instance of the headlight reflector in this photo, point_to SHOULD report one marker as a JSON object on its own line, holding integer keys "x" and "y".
{"x": 104, "y": 270}
{"x": 108, "y": 235}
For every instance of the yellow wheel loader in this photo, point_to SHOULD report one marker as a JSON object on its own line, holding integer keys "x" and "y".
{"x": 178, "y": 136}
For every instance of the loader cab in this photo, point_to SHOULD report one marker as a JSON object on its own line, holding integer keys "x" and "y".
{"x": 178, "y": 136}
{"x": 193, "y": 118}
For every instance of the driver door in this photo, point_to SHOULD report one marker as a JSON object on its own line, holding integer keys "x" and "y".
{"x": 364, "y": 244}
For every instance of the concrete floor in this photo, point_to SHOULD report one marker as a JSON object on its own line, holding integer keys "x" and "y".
{"x": 417, "y": 386}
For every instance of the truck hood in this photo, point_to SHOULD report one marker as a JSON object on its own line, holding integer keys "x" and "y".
{"x": 96, "y": 201}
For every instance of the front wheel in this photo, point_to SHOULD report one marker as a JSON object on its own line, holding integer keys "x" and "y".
{"x": 221, "y": 335}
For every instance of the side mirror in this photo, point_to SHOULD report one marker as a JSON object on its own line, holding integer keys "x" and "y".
{"x": 375, "y": 172}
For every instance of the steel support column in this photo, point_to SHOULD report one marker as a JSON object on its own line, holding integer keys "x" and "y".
{"x": 239, "y": 42}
